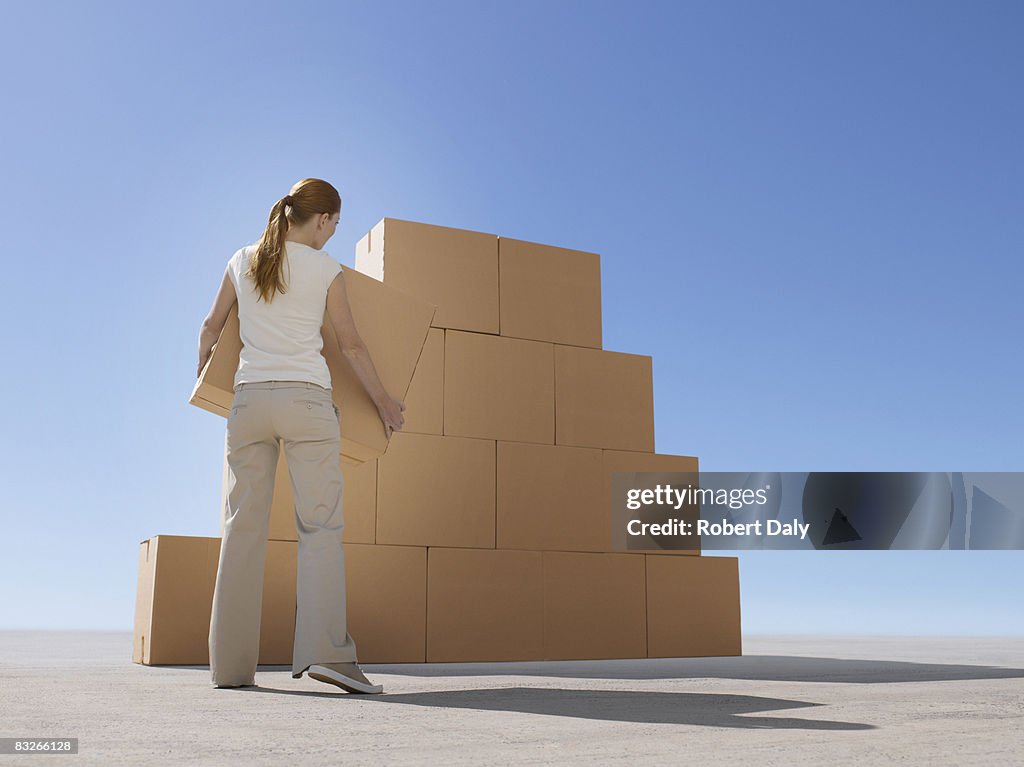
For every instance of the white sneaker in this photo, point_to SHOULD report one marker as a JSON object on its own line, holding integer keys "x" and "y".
{"x": 345, "y": 675}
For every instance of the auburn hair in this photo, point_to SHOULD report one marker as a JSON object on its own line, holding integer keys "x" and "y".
{"x": 309, "y": 197}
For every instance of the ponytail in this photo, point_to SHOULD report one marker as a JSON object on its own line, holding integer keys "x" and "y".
{"x": 309, "y": 197}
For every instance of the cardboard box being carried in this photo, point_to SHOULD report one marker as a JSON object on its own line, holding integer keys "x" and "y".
{"x": 393, "y": 325}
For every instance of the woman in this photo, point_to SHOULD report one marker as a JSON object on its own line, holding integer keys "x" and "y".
{"x": 283, "y": 285}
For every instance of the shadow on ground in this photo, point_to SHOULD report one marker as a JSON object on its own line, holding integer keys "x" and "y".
{"x": 706, "y": 709}
{"x": 768, "y": 668}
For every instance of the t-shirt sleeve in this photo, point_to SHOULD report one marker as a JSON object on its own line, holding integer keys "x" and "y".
{"x": 234, "y": 266}
{"x": 331, "y": 269}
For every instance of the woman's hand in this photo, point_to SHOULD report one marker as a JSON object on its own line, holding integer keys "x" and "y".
{"x": 203, "y": 357}
{"x": 390, "y": 410}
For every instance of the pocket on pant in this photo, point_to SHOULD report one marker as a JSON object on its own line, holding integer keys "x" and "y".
{"x": 314, "y": 404}
{"x": 318, "y": 409}
{"x": 239, "y": 400}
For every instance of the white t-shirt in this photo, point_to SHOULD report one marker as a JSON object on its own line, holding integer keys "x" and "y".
{"x": 281, "y": 340}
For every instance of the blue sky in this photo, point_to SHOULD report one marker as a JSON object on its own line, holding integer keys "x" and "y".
{"x": 809, "y": 215}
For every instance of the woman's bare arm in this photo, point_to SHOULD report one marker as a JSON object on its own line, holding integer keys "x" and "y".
{"x": 339, "y": 314}
{"x": 210, "y": 330}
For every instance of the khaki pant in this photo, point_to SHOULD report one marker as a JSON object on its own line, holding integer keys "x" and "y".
{"x": 304, "y": 416}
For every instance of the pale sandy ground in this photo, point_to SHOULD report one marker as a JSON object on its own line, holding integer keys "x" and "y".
{"x": 811, "y": 700}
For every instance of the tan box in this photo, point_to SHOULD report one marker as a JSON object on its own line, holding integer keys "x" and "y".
{"x": 652, "y": 463}
{"x": 498, "y": 388}
{"x": 174, "y": 599}
{"x": 484, "y": 605}
{"x": 406, "y": 603}
{"x": 436, "y": 491}
{"x": 423, "y": 403}
{"x": 693, "y": 606}
{"x": 394, "y": 327}
{"x": 359, "y": 499}
{"x": 454, "y": 269}
{"x": 594, "y": 606}
{"x": 277, "y": 621}
{"x": 360, "y": 502}
{"x": 548, "y": 293}
{"x": 603, "y": 399}
{"x": 387, "y": 602}
{"x": 214, "y": 389}
{"x": 385, "y": 596}
{"x": 551, "y": 497}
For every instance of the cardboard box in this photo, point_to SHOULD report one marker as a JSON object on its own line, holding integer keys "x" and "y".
{"x": 693, "y": 606}
{"x": 648, "y": 463}
{"x": 559, "y": 498}
{"x": 407, "y": 604}
{"x": 551, "y": 497}
{"x": 484, "y": 605}
{"x": 603, "y": 399}
{"x": 359, "y": 501}
{"x": 436, "y": 491}
{"x": 214, "y": 389}
{"x": 454, "y": 269}
{"x": 425, "y": 399}
{"x": 174, "y": 599}
{"x": 387, "y": 602}
{"x": 548, "y": 293}
{"x": 498, "y": 388}
{"x": 594, "y": 606}
{"x": 385, "y": 596}
{"x": 393, "y": 326}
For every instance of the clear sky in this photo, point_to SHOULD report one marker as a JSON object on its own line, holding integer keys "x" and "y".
{"x": 808, "y": 213}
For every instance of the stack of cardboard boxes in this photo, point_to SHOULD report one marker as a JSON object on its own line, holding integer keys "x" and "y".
{"x": 483, "y": 532}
